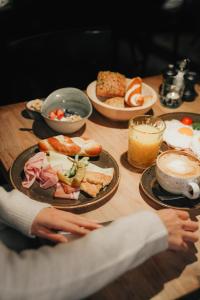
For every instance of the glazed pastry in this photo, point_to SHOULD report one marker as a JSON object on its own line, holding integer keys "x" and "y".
{"x": 71, "y": 146}
{"x": 133, "y": 96}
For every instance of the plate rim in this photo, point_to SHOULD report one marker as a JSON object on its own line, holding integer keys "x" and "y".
{"x": 78, "y": 207}
{"x": 149, "y": 195}
{"x": 179, "y": 113}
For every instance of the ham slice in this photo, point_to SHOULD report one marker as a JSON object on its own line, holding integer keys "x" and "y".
{"x": 32, "y": 169}
{"x": 72, "y": 193}
{"x": 47, "y": 177}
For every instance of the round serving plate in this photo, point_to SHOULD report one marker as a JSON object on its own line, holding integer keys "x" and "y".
{"x": 84, "y": 203}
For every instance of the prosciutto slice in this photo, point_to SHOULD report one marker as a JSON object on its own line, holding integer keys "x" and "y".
{"x": 34, "y": 169}
{"x": 47, "y": 177}
{"x": 65, "y": 191}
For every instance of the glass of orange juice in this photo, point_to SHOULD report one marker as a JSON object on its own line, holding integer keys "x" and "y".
{"x": 145, "y": 138}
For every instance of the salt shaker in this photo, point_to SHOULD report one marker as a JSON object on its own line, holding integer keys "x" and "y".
{"x": 179, "y": 80}
{"x": 169, "y": 94}
{"x": 174, "y": 84}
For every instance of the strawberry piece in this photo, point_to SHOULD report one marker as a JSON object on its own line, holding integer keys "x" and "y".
{"x": 52, "y": 115}
{"x": 59, "y": 113}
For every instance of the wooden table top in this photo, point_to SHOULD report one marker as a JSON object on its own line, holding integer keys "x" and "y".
{"x": 168, "y": 275}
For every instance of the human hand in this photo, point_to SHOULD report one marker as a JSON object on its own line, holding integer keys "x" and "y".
{"x": 50, "y": 220}
{"x": 181, "y": 229}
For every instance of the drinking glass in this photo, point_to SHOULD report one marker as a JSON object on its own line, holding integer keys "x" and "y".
{"x": 145, "y": 138}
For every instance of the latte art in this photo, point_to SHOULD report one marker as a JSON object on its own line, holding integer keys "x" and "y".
{"x": 179, "y": 165}
{"x": 178, "y": 172}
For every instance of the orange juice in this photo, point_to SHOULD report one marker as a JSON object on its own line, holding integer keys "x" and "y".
{"x": 144, "y": 144}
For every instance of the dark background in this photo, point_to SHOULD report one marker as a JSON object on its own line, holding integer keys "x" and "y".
{"x": 45, "y": 45}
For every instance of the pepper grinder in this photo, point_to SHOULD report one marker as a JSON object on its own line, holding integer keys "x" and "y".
{"x": 190, "y": 79}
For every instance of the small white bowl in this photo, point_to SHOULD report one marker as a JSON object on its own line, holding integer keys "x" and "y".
{"x": 34, "y": 107}
{"x": 67, "y": 98}
{"x": 126, "y": 113}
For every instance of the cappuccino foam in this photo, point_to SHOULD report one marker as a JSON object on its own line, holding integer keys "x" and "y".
{"x": 179, "y": 165}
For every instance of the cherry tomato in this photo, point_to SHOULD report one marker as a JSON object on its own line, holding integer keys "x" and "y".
{"x": 186, "y": 120}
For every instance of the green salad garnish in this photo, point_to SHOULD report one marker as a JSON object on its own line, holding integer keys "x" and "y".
{"x": 196, "y": 125}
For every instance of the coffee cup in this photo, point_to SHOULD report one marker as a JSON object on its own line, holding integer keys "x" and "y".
{"x": 178, "y": 172}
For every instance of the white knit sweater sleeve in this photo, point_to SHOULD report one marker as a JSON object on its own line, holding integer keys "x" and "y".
{"x": 18, "y": 210}
{"x": 78, "y": 269}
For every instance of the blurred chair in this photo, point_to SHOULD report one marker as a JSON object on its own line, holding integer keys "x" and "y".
{"x": 153, "y": 18}
{"x": 42, "y": 63}
{"x": 177, "y": 19}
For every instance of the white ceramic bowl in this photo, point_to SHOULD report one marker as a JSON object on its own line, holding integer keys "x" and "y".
{"x": 67, "y": 98}
{"x": 122, "y": 114}
{"x": 33, "y": 108}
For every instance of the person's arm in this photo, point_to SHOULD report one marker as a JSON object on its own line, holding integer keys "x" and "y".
{"x": 18, "y": 211}
{"x": 80, "y": 268}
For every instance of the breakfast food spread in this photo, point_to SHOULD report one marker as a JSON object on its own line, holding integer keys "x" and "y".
{"x": 71, "y": 146}
{"x": 67, "y": 175}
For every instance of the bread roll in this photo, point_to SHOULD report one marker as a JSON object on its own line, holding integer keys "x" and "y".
{"x": 110, "y": 84}
{"x": 116, "y": 102}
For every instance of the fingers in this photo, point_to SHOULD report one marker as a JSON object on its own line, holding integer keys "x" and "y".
{"x": 86, "y": 223}
{"x": 65, "y": 221}
{"x": 184, "y": 215}
{"x": 50, "y": 220}
{"x": 190, "y": 237}
{"x": 83, "y": 222}
{"x": 181, "y": 229}
{"x": 187, "y": 232}
{"x": 73, "y": 228}
{"x": 183, "y": 246}
{"x": 50, "y": 235}
{"x": 75, "y": 224}
{"x": 190, "y": 225}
